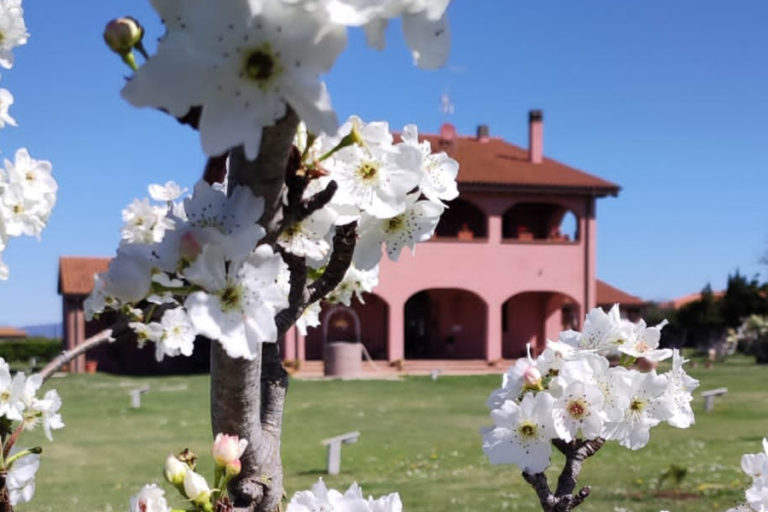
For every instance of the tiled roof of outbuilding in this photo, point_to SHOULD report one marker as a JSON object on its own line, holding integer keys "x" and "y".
{"x": 76, "y": 274}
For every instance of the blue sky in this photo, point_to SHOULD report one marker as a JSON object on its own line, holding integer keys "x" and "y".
{"x": 668, "y": 99}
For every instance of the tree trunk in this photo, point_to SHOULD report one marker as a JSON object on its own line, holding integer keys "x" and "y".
{"x": 247, "y": 397}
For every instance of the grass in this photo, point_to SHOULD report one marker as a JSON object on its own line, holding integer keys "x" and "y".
{"x": 418, "y": 437}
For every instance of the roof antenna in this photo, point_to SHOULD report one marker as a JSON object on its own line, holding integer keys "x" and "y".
{"x": 446, "y": 104}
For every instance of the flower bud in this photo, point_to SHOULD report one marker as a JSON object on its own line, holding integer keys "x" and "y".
{"x": 122, "y": 34}
{"x": 227, "y": 449}
{"x": 233, "y": 468}
{"x": 532, "y": 378}
{"x": 188, "y": 457}
{"x": 196, "y": 488}
{"x": 175, "y": 470}
{"x": 189, "y": 247}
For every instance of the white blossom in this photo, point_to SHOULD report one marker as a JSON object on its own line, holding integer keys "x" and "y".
{"x": 322, "y": 499}
{"x": 145, "y": 223}
{"x": 309, "y": 237}
{"x": 643, "y": 341}
{"x": 377, "y": 176}
{"x": 6, "y": 100}
{"x": 355, "y": 283}
{"x": 11, "y": 393}
{"x": 679, "y": 390}
{"x": 647, "y": 407}
{"x": 601, "y": 332}
{"x": 521, "y": 433}
{"x": 129, "y": 275}
{"x": 309, "y": 318}
{"x": 20, "y": 480}
{"x": 178, "y": 335}
{"x": 168, "y": 192}
{"x": 240, "y": 300}
{"x": 257, "y": 58}
{"x": 578, "y": 413}
{"x": 439, "y": 171}
{"x": 46, "y": 411}
{"x": 13, "y": 31}
{"x": 416, "y": 224}
{"x": 150, "y": 498}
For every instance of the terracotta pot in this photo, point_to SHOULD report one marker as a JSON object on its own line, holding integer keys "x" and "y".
{"x": 91, "y": 366}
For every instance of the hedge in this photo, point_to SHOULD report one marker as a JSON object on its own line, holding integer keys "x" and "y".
{"x": 42, "y": 349}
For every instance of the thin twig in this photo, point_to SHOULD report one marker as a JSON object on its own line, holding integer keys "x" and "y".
{"x": 344, "y": 242}
{"x": 68, "y": 355}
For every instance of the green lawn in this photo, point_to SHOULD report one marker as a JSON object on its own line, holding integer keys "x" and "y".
{"x": 418, "y": 437}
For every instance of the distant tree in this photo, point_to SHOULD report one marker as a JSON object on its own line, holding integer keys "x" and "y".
{"x": 701, "y": 321}
{"x": 743, "y": 297}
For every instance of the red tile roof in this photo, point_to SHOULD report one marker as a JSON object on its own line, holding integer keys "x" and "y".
{"x": 609, "y": 295}
{"x": 12, "y": 332}
{"x": 691, "y": 297}
{"x": 76, "y": 274}
{"x": 493, "y": 161}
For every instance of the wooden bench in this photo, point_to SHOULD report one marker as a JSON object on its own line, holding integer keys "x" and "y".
{"x": 710, "y": 395}
{"x": 334, "y": 450}
{"x": 136, "y": 396}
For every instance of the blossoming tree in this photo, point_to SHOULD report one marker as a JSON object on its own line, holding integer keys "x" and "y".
{"x": 572, "y": 397}
{"x": 27, "y": 197}
{"x": 292, "y": 207}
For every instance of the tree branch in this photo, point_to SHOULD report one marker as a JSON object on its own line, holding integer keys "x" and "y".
{"x": 68, "y": 355}
{"x": 563, "y": 500}
{"x": 341, "y": 258}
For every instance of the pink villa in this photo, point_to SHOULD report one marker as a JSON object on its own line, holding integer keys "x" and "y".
{"x": 513, "y": 261}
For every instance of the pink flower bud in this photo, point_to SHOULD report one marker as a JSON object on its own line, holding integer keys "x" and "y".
{"x": 532, "y": 377}
{"x": 189, "y": 247}
{"x": 227, "y": 449}
{"x": 233, "y": 468}
{"x": 122, "y": 34}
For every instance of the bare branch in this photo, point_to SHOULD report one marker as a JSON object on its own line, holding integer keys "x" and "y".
{"x": 563, "y": 500}
{"x": 297, "y": 297}
{"x": 68, "y": 355}
{"x": 341, "y": 258}
{"x": 540, "y": 485}
{"x": 575, "y": 452}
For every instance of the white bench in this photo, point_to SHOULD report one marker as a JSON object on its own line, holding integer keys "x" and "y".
{"x": 710, "y": 395}
{"x": 334, "y": 450}
{"x": 136, "y": 396}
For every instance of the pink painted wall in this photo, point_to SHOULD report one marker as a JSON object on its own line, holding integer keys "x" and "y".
{"x": 496, "y": 269}
{"x": 469, "y": 282}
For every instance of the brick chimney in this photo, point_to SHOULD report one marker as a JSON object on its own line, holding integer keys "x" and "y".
{"x": 535, "y": 136}
{"x": 447, "y": 136}
{"x": 483, "y": 132}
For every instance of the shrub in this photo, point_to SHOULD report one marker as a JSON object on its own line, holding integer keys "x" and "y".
{"x": 43, "y": 349}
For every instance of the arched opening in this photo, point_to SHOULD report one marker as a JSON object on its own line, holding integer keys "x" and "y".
{"x": 445, "y": 323}
{"x": 532, "y": 317}
{"x": 540, "y": 221}
{"x": 374, "y": 328}
{"x": 462, "y": 220}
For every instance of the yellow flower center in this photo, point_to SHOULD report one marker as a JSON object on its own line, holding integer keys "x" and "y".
{"x": 260, "y": 65}
{"x": 527, "y": 429}
{"x": 230, "y": 297}
{"x": 576, "y": 408}
{"x": 367, "y": 171}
